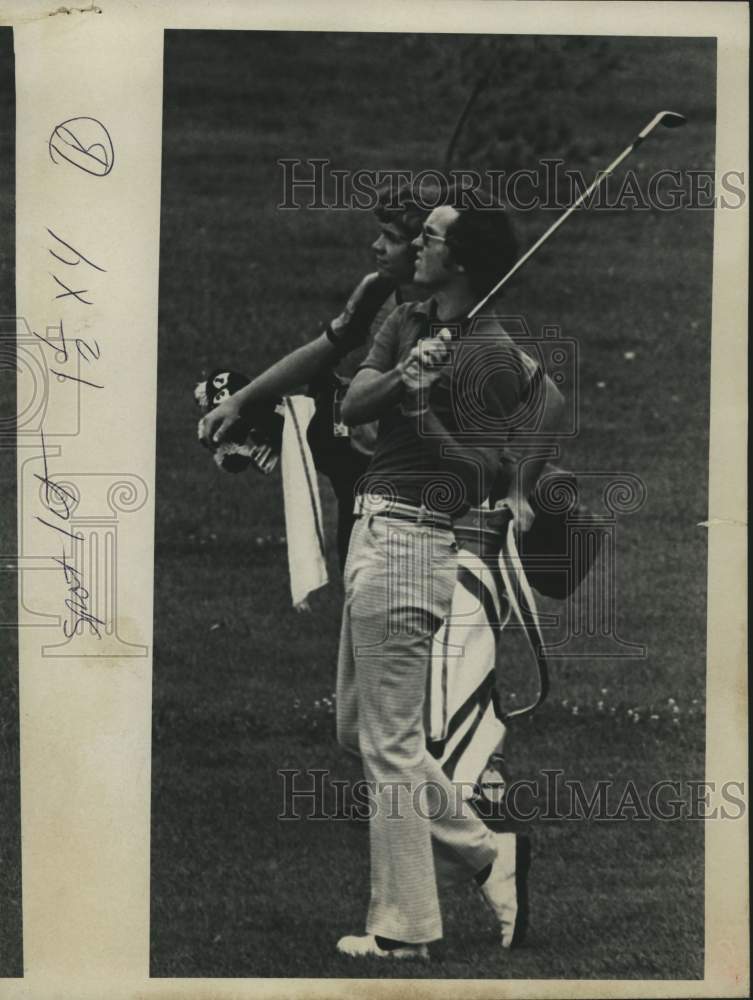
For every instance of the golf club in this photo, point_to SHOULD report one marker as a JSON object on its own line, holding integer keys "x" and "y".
{"x": 669, "y": 119}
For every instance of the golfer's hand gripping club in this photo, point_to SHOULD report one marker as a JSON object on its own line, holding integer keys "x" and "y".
{"x": 424, "y": 364}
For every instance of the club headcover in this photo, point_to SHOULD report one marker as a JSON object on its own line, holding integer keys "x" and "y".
{"x": 260, "y": 439}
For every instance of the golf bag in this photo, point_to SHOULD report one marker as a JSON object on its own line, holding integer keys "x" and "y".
{"x": 261, "y": 443}
{"x": 465, "y": 723}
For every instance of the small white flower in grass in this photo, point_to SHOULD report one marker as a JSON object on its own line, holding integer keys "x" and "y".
{"x": 575, "y": 709}
{"x": 654, "y": 716}
{"x": 671, "y": 701}
{"x": 636, "y": 718}
{"x": 604, "y": 690}
{"x": 695, "y": 701}
{"x": 513, "y": 696}
{"x": 317, "y": 704}
{"x": 630, "y": 711}
{"x": 600, "y": 705}
{"x": 564, "y": 702}
{"x": 213, "y": 628}
{"x": 675, "y": 722}
{"x": 612, "y": 710}
{"x": 629, "y": 355}
{"x": 601, "y": 385}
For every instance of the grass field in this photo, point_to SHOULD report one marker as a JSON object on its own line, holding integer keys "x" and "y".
{"x": 10, "y": 838}
{"x": 240, "y": 679}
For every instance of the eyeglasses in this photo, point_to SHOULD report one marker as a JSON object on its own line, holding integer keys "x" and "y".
{"x": 426, "y": 236}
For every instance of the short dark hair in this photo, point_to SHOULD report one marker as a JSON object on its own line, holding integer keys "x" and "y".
{"x": 403, "y": 207}
{"x": 483, "y": 241}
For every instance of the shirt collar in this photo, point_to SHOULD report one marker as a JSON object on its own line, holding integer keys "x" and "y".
{"x": 428, "y": 309}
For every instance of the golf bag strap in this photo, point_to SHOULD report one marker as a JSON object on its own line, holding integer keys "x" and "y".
{"x": 523, "y": 605}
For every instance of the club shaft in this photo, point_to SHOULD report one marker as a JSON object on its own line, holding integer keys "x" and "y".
{"x": 555, "y": 226}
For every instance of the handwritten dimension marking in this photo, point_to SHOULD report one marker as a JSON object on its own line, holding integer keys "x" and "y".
{"x": 77, "y": 254}
{"x": 60, "y": 502}
{"x": 85, "y": 349}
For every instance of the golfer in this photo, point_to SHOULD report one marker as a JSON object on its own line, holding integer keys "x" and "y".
{"x": 344, "y": 461}
{"x": 449, "y": 396}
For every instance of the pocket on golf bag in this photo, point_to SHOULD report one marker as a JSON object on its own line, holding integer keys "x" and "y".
{"x": 560, "y": 547}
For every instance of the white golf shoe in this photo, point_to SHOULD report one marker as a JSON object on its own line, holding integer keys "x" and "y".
{"x": 505, "y": 888}
{"x": 365, "y": 946}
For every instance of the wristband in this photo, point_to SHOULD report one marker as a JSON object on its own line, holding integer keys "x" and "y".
{"x": 338, "y": 342}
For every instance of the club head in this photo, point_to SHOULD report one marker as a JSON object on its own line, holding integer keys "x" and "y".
{"x": 671, "y": 119}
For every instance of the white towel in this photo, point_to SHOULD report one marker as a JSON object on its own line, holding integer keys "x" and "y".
{"x": 303, "y": 512}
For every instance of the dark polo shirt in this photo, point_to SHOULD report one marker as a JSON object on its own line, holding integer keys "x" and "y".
{"x": 481, "y": 397}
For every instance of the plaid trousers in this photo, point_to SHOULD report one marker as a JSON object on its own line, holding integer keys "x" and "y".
{"x": 399, "y": 580}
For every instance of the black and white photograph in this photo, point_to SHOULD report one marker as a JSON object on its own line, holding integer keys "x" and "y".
{"x": 372, "y": 499}
{"x": 431, "y": 523}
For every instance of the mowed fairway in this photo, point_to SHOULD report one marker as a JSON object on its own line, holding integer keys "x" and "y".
{"x": 243, "y": 685}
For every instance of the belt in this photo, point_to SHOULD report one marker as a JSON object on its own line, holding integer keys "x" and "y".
{"x": 380, "y": 506}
